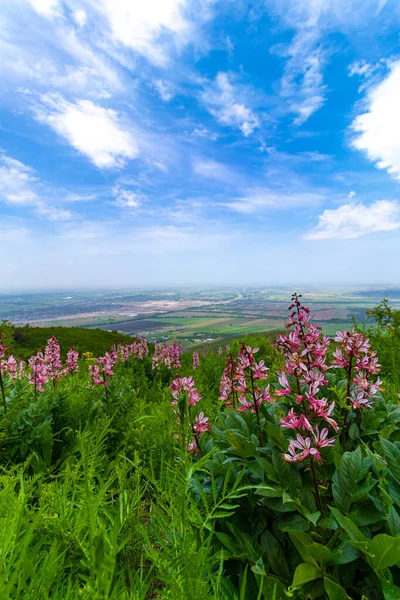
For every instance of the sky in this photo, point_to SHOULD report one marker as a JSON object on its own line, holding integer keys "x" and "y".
{"x": 191, "y": 142}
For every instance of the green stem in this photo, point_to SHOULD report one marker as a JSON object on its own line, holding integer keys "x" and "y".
{"x": 314, "y": 476}
{"x": 3, "y": 393}
{"x": 256, "y": 407}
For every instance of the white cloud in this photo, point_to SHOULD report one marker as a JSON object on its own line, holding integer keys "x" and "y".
{"x": 143, "y": 25}
{"x": 163, "y": 90}
{"x": 351, "y": 194}
{"x": 205, "y": 133}
{"x": 17, "y": 181}
{"x": 213, "y": 170}
{"x": 53, "y": 213}
{"x": 80, "y": 17}
{"x": 302, "y": 82}
{"x": 259, "y": 199}
{"x": 362, "y": 68}
{"x": 355, "y": 220}
{"x": 378, "y": 129}
{"x": 127, "y": 198}
{"x": 93, "y": 130}
{"x": 20, "y": 185}
{"x": 45, "y": 8}
{"x": 221, "y": 99}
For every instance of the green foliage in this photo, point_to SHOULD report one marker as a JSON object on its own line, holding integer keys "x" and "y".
{"x": 28, "y": 340}
{"x": 98, "y": 500}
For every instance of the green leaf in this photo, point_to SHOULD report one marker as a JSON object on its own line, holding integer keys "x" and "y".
{"x": 293, "y": 523}
{"x": 385, "y": 551}
{"x": 345, "y": 553}
{"x": 394, "y": 521}
{"x": 392, "y": 455}
{"x": 303, "y": 574}
{"x": 274, "y": 554}
{"x": 390, "y": 591}
{"x": 354, "y": 431}
{"x": 273, "y": 589}
{"x": 351, "y": 471}
{"x": 328, "y": 523}
{"x": 276, "y": 436}
{"x": 335, "y": 591}
{"x": 228, "y": 543}
{"x": 310, "y": 551}
{"x": 312, "y": 517}
{"x": 363, "y": 515}
{"x": 349, "y": 526}
{"x": 269, "y": 491}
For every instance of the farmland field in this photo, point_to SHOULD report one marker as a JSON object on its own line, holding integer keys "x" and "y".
{"x": 193, "y": 316}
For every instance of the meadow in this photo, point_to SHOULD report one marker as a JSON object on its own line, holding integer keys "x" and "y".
{"x": 266, "y": 469}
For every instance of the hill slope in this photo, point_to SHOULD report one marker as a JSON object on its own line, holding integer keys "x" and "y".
{"x": 28, "y": 340}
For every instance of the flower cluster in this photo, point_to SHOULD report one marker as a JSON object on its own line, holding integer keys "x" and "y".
{"x": 241, "y": 381}
{"x": 167, "y": 355}
{"x": 354, "y": 354}
{"x": 140, "y": 348}
{"x": 184, "y": 397}
{"x": 196, "y": 360}
{"x": 38, "y": 372}
{"x": 52, "y": 360}
{"x": 8, "y": 366}
{"x": 72, "y": 360}
{"x": 305, "y": 351}
{"x": 227, "y": 389}
{"x": 301, "y": 448}
{"x": 47, "y": 366}
{"x": 181, "y": 385}
{"x": 102, "y": 370}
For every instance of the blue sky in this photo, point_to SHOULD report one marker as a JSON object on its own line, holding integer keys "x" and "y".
{"x": 174, "y": 142}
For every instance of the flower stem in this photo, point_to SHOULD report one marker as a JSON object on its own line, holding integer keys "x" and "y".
{"x": 346, "y": 411}
{"x": 314, "y": 476}
{"x": 256, "y": 407}
{"x": 3, "y": 394}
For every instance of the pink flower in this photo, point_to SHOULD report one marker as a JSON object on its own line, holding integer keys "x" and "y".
{"x": 296, "y": 421}
{"x": 9, "y": 367}
{"x": 201, "y": 424}
{"x": 321, "y": 440}
{"x": 306, "y": 450}
{"x": 283, "y": 380}
{"x": 72, "y": 360}
{"x": 167, "y": 355}
{"x": 196, "y": 360}
{"x": 39, "y": 372}
{"x": 102, "y": 369}
{"x": 185, "y": 384}
{"x": 53, "y": 360}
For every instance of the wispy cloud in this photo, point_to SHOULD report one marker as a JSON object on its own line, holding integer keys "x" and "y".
{"x": 260, "y": 199}
{"x": 221, "y": 99}
{"x": 53, "y": 213}
{"x": 164, "y": 90}
{"x": 125, "y": 198}
{"x": 302, "y": 83}
{"x": 20, "y": 185}
{"x": 213, "y": 170}
{"x": 355, "y": 220}
{"x": 18, "y": 182}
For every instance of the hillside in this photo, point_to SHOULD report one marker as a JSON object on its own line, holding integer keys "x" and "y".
{"x": 28, "y": 340}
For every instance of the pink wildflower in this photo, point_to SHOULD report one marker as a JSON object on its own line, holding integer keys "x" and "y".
{"x": 196, "y": 360}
